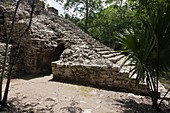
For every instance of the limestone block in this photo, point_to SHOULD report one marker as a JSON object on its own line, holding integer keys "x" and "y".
{"x": 104, "y": 76}
{"x": 117, "y": 82}
{"x": 92, "y": 81}
{"x": 115, "y": 67}
{"x": 100, "y": 80}
{"x": 110, "y": 80}
{"x": 91, "y": 76}
{"x": 125, "y": 82}
{"x": 110, "y": 85}
{"x": 102, "y": 84}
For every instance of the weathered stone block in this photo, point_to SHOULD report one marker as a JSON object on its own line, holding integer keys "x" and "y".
{"x": 67, "y": 72}
{"x": 102, "y": 84}
{"x": 104, "y": 76}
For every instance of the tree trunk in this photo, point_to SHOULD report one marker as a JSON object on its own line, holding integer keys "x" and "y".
{"x": 4, "y": 101}
{"x": 155, "y": 100}
{"x": 7, "y": 47}
{"x": 87, "y": 17}
{"x": 154, "y": 94}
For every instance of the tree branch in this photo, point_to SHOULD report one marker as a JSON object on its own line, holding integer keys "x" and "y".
{"x": 16, "y": 55}
{"x": 7, "y": 47}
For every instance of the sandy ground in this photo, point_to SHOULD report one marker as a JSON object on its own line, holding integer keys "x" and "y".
{"x": 41, "y": 95}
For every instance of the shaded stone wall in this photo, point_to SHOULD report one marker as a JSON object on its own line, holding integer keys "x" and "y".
{"x": 2, "y": 24}
{"x": 34, "y": 54}
{"x": 97, "y": 75}
{"x": 2, "y": 42}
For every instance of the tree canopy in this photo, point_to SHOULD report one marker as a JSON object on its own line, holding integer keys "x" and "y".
{"x": 85, "y": 9}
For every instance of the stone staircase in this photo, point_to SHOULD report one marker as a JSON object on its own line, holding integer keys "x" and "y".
{"x": 86, "y": 60}
{"x": 119, "y": 59}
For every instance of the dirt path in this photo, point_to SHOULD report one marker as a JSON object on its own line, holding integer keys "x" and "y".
{"x": 40, "y": 95}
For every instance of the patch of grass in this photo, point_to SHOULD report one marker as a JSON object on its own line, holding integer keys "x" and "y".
{"x": 85, "y": 91}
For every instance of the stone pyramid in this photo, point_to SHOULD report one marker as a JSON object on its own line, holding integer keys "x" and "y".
{"x": 56, "y": 45}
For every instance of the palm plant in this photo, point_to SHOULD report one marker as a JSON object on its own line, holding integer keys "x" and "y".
{"x": 148, "y": 47}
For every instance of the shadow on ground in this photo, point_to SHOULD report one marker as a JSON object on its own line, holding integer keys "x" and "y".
{"x": 30, "y": 76}
{"x": 131, "y": 106}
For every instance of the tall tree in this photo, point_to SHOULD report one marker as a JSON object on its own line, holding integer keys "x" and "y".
{"x": 84, "y": 9}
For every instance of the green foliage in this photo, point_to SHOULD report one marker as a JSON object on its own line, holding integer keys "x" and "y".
{"x": 111, "y": 21}
{"x": 148, "y": 46}
{"x": 75, "y": 20}
{"x": 81, "y": 5}
{"x": 139, "y": 43}
{"x": 85, "y": 9}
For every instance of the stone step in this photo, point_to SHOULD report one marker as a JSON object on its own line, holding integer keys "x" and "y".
{"x": 125, "y": 70}
{"x": 110, "y": 55}
{"x": 122, "y": 62}
{"x": 101, "y": 49}
{"x": 116, "y": 68}
{"x": 124, "y": 73}
{"x": 107, "y": 52}
{"x": 97, "y": 46}
{"x": 116, "y": 58}
{"x": 133, "y": 77}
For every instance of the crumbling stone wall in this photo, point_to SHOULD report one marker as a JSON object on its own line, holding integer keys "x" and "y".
{"x": 33, "y": 50}
{"x": 97, "y": 75}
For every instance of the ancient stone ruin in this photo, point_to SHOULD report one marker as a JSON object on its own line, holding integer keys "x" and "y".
{"x": 55, "y": 45}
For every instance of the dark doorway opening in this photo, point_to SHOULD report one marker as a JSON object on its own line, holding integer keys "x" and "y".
{"x": 48, "y": 57}
{"x": 57, "y": 52}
